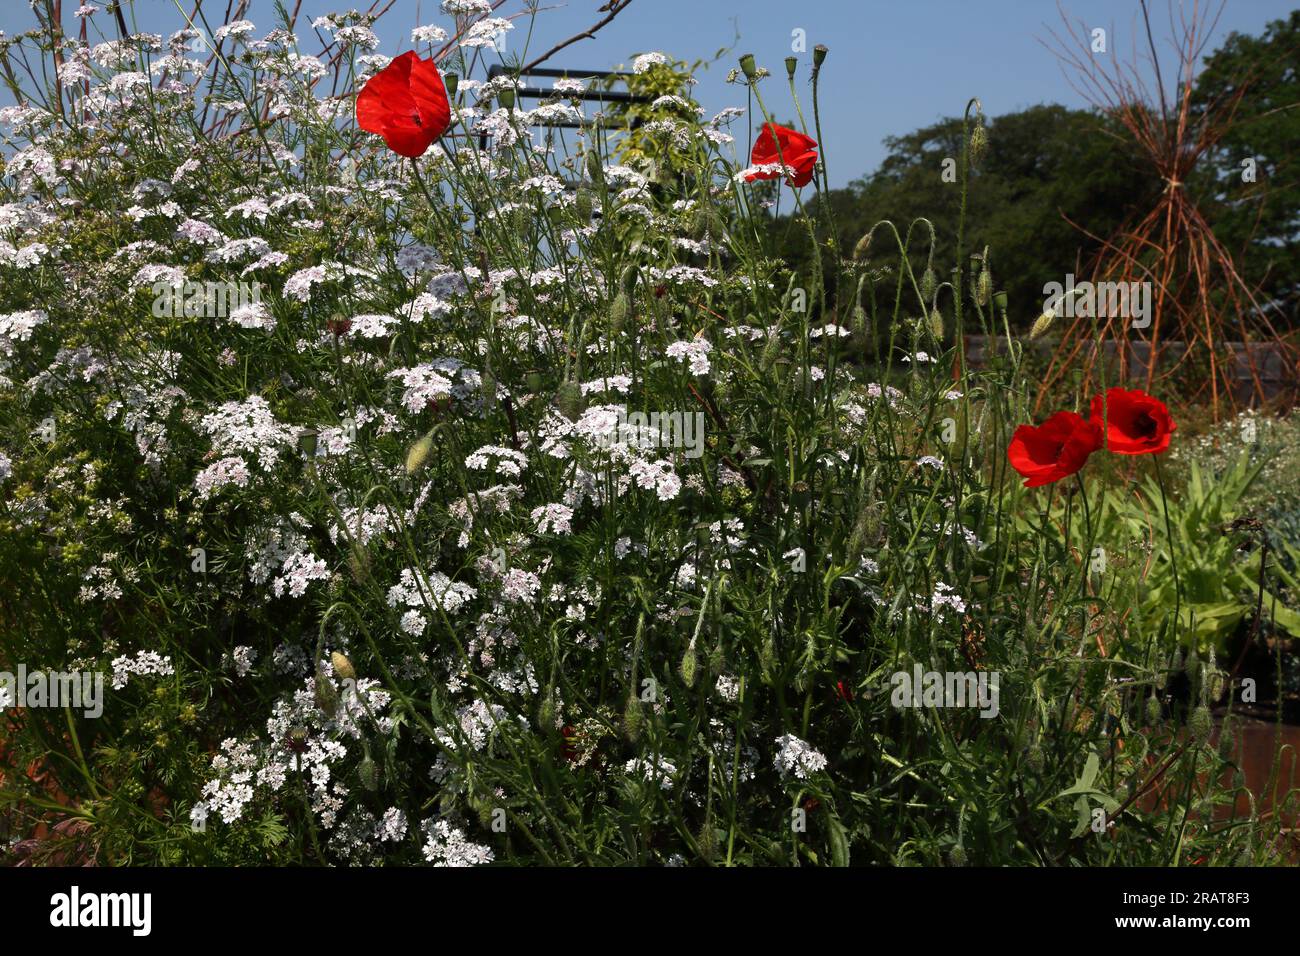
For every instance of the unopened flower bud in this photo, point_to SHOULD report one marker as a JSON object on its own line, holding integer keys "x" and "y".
{"x": 342, "y": 666}
{"x": 1042, "y": 323}
{"x": 418, "y": 454}
{"x": 1201, "y": 724}
{"x": 568, "y": 399}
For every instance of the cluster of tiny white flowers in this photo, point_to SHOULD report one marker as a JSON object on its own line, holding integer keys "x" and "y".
{"x": 797, "y": 756}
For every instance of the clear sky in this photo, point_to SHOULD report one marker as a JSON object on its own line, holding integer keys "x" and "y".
{"x": 894, "y": 65}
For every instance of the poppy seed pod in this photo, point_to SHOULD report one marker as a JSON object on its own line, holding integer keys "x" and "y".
{"x": 747, "y": 66}
{"x": 507, "y": 99}
{"x": 791, "y": 64}
{"x": 451, "y": 81}
{"x": 819, "y": 54}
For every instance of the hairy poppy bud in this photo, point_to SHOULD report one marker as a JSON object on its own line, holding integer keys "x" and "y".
{"x": 418, "y": 454}
{"x": 1201, "y": 724}
{"x": 569, "y": 400}
{"x": 327, "y": 696}
{"x": 366, "y": 771}
{"x": 633, "y": 719}
{"x": 342, "y": 666}
{"x": 688, "y": 665}
{"x": 582, "y": 205}
{"x": 618, "y": 312}
{"x": 929, "y": 282}
{"x": 979, "y": 142}
{"x": 1042, "y": 323}
{"x": 936, "y": 324}
{"x": 983, "y": 287}
{"x": 957, "y": 856}
{"x": 863, "y": 247}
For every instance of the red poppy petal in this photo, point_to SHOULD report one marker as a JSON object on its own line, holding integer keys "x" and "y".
{"x": 385, "y": 95}
{"x": 430, "y": 97}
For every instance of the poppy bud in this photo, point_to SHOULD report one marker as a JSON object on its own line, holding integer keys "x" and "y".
{"x": 488, "y": 388}
{"x": 418, "y": 454}
{"x": 533, "y": 379}
{"x": 791, "y": 64}
{"x": 1154, "y": 710}
{"x": 327, "y": 696}
{"x": 569, "y": 400}
{"x": 689, "y": 661}
{"x": 582, "y": 205}
{"x": 983, "y": 286}
{"x": 747, "y": 66}
{"x": 1042, "y": 323}
{"x": 507, "y": 99}
{"x": 1201, "y": 724}
{"x": 864, "y": 244}
{"x": 633, "y": 719}
{"x": 957, "y": 856}
{"x": 936, "y": 324}
{"x": 366, "y": 771}
{"x": 618, "y": 312}
{"x": 342, "y": 666}
{"x": 706, "y": 841}
{"x": 979, "y": 142}
{"x": 594, "y": 168}
{"x": 929, "y": 282}
{"x": 546, "y": 711}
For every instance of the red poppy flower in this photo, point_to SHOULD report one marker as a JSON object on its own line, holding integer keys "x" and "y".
{"x": 1054, "y": 450}
{"x": 1136, "y": 423}
{"x": 406, "y": 104}
{"x": 777, "y": 144}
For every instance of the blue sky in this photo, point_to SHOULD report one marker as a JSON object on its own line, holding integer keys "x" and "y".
{"x": 894, "y": 65}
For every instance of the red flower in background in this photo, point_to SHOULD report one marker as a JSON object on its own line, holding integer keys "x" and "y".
{"x": 1136, "y": 423}
{"x": 1053, "y": 450}
{"x": 777, "y": 144}
{"x": 406, "y": 104}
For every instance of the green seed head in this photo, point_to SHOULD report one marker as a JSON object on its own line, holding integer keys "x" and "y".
{"x": 418, "y": 454}
{"x": 688, "y": 665}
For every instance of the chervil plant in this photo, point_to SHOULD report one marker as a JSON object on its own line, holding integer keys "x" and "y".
{"x": 433, "y": 488}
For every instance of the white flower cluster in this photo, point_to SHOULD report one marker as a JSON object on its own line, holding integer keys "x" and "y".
{"x": 144, "y": 663}
{"x": 797, "y": 756}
